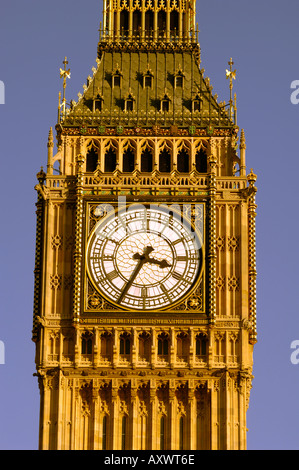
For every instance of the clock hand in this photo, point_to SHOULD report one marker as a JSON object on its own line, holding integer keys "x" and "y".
{"x": 162, "y": 264}
{"x": 142, "y": 259}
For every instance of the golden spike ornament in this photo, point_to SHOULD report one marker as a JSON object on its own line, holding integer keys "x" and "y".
{"x": 64, "y": 73}
{"x": 231, "y": 74}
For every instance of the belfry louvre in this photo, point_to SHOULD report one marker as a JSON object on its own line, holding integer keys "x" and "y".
{"x": 145, "y": 274}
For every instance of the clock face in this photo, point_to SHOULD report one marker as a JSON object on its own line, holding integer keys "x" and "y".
{"x": 144, "y": 257}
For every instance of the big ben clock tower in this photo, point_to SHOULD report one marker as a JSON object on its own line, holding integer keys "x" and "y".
{"x": 144, "y": 304}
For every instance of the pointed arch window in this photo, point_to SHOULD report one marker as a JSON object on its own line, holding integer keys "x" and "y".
{"x": 98, "y": 103}
{"x": 110, "y": 160}
{"x": 201, "y": 346}
{"x": 116, "y": 78}
{"x": 164, "y": 108}
{"x": 174, "y": 23}
{"x": 179, "y": 79}
{"x": 148, "y": 79}
{"x": 183, "y": 346}
{"x": 149, "y": 23}
{"x": 183, "y": 161}
{"x": 196, "y": 103}
{"x": 163, "y": 341}
{"x": 106, "y": 346}
{"x": 144, "y": 346}
{"x": 162, "y": 23}
{"x": 165, "y": 161}
{"x": 128, "y": 160}
{"x": 124, "y": 345}
{"x": 201, "y": 161}
{"x": 146, "y": 161}
{"x": 124, "y": 23}
{"x": 136, "y": 23}
{"x": 91, "y": 159}
{"x": 129, "y": 102}
{"x": 86, "y": 344}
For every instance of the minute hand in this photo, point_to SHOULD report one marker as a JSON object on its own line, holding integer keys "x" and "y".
{"x": 142, "y": 259}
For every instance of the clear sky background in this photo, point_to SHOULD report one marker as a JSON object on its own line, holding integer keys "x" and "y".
{"x": 262, "y": 37}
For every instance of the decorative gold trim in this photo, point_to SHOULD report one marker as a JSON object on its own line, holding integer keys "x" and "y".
{"x": 187, "y": 302}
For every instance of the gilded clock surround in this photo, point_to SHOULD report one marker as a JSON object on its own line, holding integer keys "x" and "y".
{"x": 178, "y": 378}
{"x": 191, "y": 215}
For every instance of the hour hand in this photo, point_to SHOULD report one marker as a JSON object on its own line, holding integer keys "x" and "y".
{"x": 162, "y": 264}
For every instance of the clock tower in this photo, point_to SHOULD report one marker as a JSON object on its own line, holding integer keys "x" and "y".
{"x": 144, "y": 300}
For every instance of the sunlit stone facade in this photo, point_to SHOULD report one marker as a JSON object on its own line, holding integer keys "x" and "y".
{"x": 144, "y": 304}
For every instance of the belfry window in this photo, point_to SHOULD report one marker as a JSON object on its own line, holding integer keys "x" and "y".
{"x": 201, "y": 161}
{"x": 146, "y": 161}
{"x": 110, "y": 161}
{"x": 149, "y": 23}
{"x": 91, "y": 160}
{"x": 174, "y": 23}
{"x": 124, "y": 23}
{"x": 128, "y": 161}
{"x": 136, "y": 22}
{"x": 183, "y": 161}
{"x": 162, "y": 22}
{"x": 164, "y": 161}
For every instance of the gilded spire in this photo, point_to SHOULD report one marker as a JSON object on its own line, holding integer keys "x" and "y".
{"x": 231, "y": 74}
{"x": 64, "y": 73}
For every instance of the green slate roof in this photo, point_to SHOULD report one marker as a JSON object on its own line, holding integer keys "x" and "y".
{"x": 163, "y": 66}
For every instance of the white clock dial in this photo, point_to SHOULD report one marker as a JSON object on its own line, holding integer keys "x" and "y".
{"x": 144, "y": 257}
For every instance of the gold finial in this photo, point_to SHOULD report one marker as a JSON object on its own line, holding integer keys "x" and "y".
{"x": 231, "y": 74}
{"x": 50, "y": 138}
{"x": 242, "y": 140}
{"x": 251, "y": 178}
{"x": 64, "y": 73}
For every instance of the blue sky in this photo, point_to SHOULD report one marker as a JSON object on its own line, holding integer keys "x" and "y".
{"x": 262, "y": 37}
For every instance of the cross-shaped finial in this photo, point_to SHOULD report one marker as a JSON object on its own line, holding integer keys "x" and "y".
{"x": 64, "y": 73}
{"x": 231, "y": 74}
